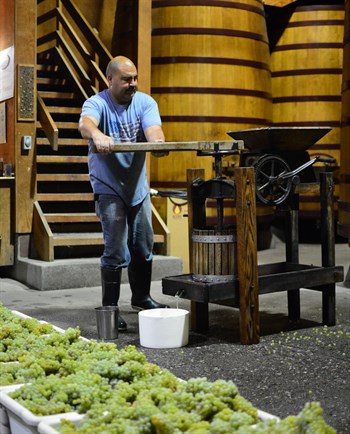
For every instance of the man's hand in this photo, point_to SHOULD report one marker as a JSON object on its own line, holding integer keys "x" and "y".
{"x": 102, "y": 142}
{"x": 88, "y": 127}
{"x": 160, "y": 153}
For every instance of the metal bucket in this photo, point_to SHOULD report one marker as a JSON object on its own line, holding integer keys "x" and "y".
{"x": 107, "y": 322}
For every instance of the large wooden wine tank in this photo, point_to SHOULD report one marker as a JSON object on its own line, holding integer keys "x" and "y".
{"x": 344, "y": 199}
{"x": 210, "y": 74}
{"x": 306, "y": 41}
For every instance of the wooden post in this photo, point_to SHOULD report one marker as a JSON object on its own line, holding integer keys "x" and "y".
{"x": 199, "y": 311}
{"x": 328, "y": 249}
{"x": 247, "y": 257}
{"x": 292, "y": 254}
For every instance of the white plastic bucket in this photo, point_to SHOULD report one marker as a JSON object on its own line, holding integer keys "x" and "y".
{"x": 164, "y": 328}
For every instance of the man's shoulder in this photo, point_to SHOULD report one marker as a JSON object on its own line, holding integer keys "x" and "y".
{"x": 100, "y": 96}
{"x": 142, "y": 96}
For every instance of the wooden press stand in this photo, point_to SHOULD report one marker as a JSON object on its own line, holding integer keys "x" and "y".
{"x": 253, "y": 280}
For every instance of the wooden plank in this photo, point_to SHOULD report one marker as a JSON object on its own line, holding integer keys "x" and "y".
{"x": 65, "y": 110}
{"x": 292, "y": 253}
{"x": 57, "y": 95}
{"x": 43, "y": 238}
{"x": 67, "y": 125}
{"x": 71, "y": 217}
{"x": 162, "y": 232}
{"x": 88, "y": 32}
{"x": 312, "y": 277}
{"x": 55, "y": 159}
{"x": 62, "y": 142}
{"x": 64, "y": 197}
{"x": 62, "y": 177}
{"x": 247, "y": 255}
{"x": 225, "y": 145}
{"x": 199, "y": 311}
{"x": 144, "y": 55}
{"x": 70, "y": 72}
{"x": 6, "y": 215}
{"x": 47, "y": 123}
{"x": 78, "y": 239}
{"x": 24, "y": 40}
{"x": 85, "y": 239}
{"x": 328, "y": 246}
{"x": 159, "y": 238}
{"x": 54, "y": 81}
{"x": 307, "y": 188}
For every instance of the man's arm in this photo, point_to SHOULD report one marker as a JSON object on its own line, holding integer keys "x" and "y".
{"x": 88, "y": 127}
{"x": 155, "y": 134}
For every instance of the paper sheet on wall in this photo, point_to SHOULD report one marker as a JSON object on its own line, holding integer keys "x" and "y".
{"x": 7, "y": 73}
{"x": 2, "y": 123}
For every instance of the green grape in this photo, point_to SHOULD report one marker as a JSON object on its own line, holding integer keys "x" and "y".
{"x": 241, "y": 404}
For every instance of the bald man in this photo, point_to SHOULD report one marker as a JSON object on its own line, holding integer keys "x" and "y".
{"x": 122, "y": 114}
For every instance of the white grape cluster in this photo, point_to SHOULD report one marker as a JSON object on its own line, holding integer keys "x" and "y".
{"x": 119, "y": 391}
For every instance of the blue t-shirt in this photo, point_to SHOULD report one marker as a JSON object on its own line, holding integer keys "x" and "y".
{"x": 121, "y": 173}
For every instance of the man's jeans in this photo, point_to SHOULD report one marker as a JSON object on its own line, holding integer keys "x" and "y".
{"x": 127, "y": 231}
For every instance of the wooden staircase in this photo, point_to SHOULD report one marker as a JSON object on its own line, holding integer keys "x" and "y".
{"x": 64, "y": 222}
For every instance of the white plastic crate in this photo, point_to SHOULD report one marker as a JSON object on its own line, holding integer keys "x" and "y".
{"x": 20, "y": 419}
{"x": 51, "y": 426}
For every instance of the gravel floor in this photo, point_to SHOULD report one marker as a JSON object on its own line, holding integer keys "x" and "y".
{"x": 292, "y": 364}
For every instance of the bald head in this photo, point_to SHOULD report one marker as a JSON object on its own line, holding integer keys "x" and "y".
{"x": 118, "y": 63}
{"x": 122, "y": 79}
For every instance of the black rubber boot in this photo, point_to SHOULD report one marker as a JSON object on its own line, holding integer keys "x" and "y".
{"x": 110, "y": 278}
{"x": 140, "y": 276}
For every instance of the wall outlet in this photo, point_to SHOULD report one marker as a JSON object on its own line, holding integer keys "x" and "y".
{"x": 26, "y": 143}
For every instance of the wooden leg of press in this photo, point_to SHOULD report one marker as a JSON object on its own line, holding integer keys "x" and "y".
{"x": 328, "y": 305}
{"x": 328, "y": 245}
{"x": 247, "y": 258}
{"x": 199, "y": 317}
{"x": 292, "y": 255}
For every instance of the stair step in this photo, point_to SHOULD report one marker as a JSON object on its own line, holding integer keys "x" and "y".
{"x": 71, "y": 217}
{"x": 57, "y": 95}
{"x": 64, "y": 110}
{"x": 55, "y": 81}
{"x": 86, "y": 238}
{"x": 65, "y": 197}
{"x": 63, "y": 125}
{"x": 62, "y": 142}
{"x": 55, "y": 159}
{"x": 77, "y": 239}
{"x": 63, "y": 177}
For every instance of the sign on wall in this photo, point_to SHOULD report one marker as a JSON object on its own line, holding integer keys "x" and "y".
{"x": 7, "y": 73}
{"x": 2, "y": 123}
{"x": 26, "y": 92}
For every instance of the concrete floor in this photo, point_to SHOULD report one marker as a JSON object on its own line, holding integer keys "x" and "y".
{"x": 292, "y": 364}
